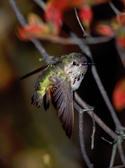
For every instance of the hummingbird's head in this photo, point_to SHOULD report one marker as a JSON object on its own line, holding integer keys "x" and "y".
{"x": 75, "y": 62}
{"x": 75, "y": 66}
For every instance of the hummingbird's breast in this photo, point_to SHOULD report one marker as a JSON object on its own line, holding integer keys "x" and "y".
{"x": 76, "y": 75}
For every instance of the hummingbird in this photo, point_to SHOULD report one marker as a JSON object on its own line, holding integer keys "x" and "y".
{"x": 57, "y": 83}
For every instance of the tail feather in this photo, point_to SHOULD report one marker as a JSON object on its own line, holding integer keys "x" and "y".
{"x": 46, "y": 102}
{"x": 36, "y": 99}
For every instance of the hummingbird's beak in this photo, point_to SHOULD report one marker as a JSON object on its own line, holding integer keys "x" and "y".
{"x": 91, "y": 63}
{"x": 88, "y": 63}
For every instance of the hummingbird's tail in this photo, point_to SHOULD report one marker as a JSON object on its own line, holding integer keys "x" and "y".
{"x": 36, "y": 99}
{"x": 46, "y": 100}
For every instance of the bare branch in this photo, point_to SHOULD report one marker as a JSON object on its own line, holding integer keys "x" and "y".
{"x": 85, "y": 34}
{"x": 121, "y": 153}
{"x": 40, "y": 3}
{"x": 103, "y": 92}
{"x": 121, "y": 52}
{"x": 105, "y": 97}
{"x": 58, "y": 39}
{"x": 115, "y": 10}
{"x": 81, "y": 136}
{"x": 17, "y": 12}
{"x": 106, "y": 140}
{"x": 97, "y": 119}
{"x": 97, "y": 40}
{"x": 93, "y": 133}
{"x": 114, "y": 149}
{"x": 89, "y": 39}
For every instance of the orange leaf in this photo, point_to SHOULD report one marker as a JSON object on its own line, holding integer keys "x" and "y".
{"x": 36, "y": 28}
{"x": 104, "y": 30}
{"x": 55, "y": 9}
{"x": 30, "y": 31}
{"x": 119, "y": 95}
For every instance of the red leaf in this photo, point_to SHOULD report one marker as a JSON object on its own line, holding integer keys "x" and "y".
{"x": 54, "y": 15}
{"x": 104, "y": 30}
{"x": 36, "y": 28}
{"x": 119, "y": 95}
{"x": 121, "y": 18}
{"x": 86, "y": 15}
{"x": 30, "y": 31}
{"x": 55, "y": 9}
{"x": 63, "y": 5}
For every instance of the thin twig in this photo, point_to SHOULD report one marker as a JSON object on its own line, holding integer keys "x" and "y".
{"x": 121, "y": 52}
{"x": 97, "y": 119}
{"x": 58, "y": 39}
{"x": 93, "y": 133}
{"x": 115, "y": 10}
{"x": 97, "y": 40}
{"x": 105, "y": 128}
{"x": 42, "y": 51}
{"x": 112, "y": 160}
{"x": 89, "y": 39}
{"x": 106, "y": 140}
{"x": 81, "y": 136}
{"x": 121, "y": 152}
{"x": 119, "y": 49}
{"x": 70, "y": 41}
{"x": 105, "y": 97}
{"x": 22, "y": 21}
{"x": 40, "y": 3}
{"x": 85, "y": 34}
{"x": 17, "y": 12}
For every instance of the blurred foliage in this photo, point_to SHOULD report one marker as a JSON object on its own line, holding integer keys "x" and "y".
{"x": 119, "y": 95}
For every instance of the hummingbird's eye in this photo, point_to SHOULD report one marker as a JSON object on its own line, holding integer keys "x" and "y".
{"x": 85, "y": 63}
{"x": 74, "y": 63}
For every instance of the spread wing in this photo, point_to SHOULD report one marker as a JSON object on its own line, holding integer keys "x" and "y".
{"x": 63, "y": 98}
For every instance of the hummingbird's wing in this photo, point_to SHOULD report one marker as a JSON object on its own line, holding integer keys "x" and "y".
{"x": 63, "y": 97}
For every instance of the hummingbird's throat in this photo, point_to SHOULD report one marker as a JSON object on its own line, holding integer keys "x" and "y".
{"x": 76, "y": 75}
{"x": 76, "y": 81}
